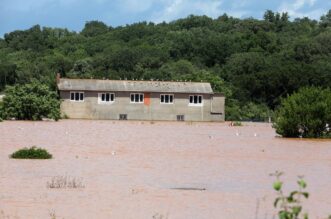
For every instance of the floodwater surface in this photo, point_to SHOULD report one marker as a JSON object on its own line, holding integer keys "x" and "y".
{"x": 157, "y": 170}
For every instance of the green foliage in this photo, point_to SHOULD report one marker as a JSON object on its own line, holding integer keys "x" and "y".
{"x": 247, "y": 112}
{"x": 31, "y": 153}
{"x": 236, "y": 123}
{"x": 306, "y": 113}
{"x": 326, "y": 20}
{"x": 290, "y": 206}
{"x": 94, "y": 28}
{"x": 277, "y": 185}
{"x": 232, "y": 110}
{"x": 256, "y": 112}
{"x": 1, "y": 111}
{"x": 32, "y": 101}
{"x": 81, "y": 69}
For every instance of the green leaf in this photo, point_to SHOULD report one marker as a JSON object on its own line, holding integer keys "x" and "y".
{"x": 284, "y": 215}
{"x": 277, "y": 185}
{"x": 293, "y": 193}
{"x": 290, "y": 199}
{"x": 305, "y": 216}
{"x": 305, "y": 194}
{"x": 296, "y": 210}
{"x": 302, "y": 183}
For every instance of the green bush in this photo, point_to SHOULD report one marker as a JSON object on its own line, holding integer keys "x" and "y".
{"x": 255, "y": 112}
{"x": 31, "y": 153}
{"x": 32, "y": 101}
{"x": 237, "y": 123}
{"x": 306, "y": 114}
{"x": 234, "y": 111}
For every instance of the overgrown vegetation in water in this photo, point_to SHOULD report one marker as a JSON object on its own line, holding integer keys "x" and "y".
{"x": 236, "y": 123}
{"x": 33, "y": 101}
{"x": 62, "y": 182}
{"x": 306, "y": 113}
{"x": 290, "y": 206}
{"x": 31, "y": 153}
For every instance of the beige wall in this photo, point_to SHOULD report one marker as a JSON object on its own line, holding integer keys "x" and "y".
{"x": 91, "y": 109}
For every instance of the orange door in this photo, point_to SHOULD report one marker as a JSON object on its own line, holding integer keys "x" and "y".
{"x": 147, "y": 99}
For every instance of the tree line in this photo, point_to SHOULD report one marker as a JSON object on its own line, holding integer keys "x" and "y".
{"x": 255, "y": 63}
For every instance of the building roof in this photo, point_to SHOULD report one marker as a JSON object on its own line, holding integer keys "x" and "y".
{"x": 133, "y": 86}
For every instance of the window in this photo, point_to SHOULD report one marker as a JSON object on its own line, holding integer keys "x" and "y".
{"x": 195, "y": 100}
{"x": 77, "y": 96}
{"x": 137, "y": 98}
{"x": 167, "y": 98}
{"x": 123, "y": 117}
{"x": 106, "y": 98}
{"x": 180, "y": 118}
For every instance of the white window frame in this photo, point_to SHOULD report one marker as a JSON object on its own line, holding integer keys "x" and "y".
{"x": 75, "y": 92}
{"x": 139, "y": 98}
{"x": 168, "y": 97}
{"x": 195, "y": 104}
{"x": 100, "y": 101}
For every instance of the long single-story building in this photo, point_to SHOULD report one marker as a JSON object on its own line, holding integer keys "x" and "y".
{"x": 139, "y": 100}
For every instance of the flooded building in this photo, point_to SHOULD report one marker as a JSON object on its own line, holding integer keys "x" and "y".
{"x": 139, "y": 100}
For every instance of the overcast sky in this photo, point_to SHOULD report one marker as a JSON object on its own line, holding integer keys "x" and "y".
{"x": 72, "y": 14}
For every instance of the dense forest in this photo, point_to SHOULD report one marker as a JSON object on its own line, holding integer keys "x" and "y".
{"x": 253, "y": 62}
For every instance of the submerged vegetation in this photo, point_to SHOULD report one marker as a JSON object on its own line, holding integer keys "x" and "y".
{"x": 290, "y": 206}
{"x": 306, "y": 113}
{"x": 62, "y": 182}
{"x": 33, "y": 101}
{"x": 255, "y": 63}
{"x": 31, "y": 153}
{"x": 236, "y": 123}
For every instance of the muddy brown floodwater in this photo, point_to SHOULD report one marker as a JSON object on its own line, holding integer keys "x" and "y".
{"x": 157, "y": 170}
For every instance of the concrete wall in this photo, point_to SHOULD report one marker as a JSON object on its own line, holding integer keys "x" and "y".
{"x": 217, "y": 107}
{"x": 91, "y": 109}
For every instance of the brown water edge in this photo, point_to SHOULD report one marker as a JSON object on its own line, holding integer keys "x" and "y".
{"x": 129, "y": 170}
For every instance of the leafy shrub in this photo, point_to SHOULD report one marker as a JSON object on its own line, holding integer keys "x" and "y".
{"x": 248, "y": 112}
{"x": 306, "y": 113}
{"x": 255, "y": 112}
{"x": 32, "y": 101}
{"x": 31, "y": 153}
{"x": 290, "y": 206}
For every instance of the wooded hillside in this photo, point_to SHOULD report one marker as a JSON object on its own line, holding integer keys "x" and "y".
{"x": 254, "y": 62}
